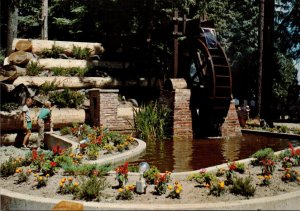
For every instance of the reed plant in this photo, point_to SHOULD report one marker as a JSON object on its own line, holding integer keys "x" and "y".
{"x": 152, "y": 121}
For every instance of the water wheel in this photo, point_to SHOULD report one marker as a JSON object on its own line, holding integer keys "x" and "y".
{"x": 207, "y": 72}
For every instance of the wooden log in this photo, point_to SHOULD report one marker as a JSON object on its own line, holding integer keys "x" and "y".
{"x": 11, "y": 72}
{"x": 65, "y": 82}
{"x": 20, "y": 58}
{"x": 39, "y": 45}
{"x": 64, "y": 63}
{"x": 24, "y": 45}
{"x": 12, "y": 121}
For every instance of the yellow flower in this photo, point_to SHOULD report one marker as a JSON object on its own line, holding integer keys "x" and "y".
{"x": 170, "y": 187}
{"x": 29, "y": 170}
{"x": 177, "y": 191}
{"x": 70, "y": 179}
{"x": 298, "y": 179}
{"x": 222, "y": 184}
{"x": 47, "y": 175}
{"x": 61, "y": 184}
{"x": 40, "y": 178}
{"x": 76, "y": 184}
{"x": 35, "y": 175}
{"x": 288, "y": 175}
{"x": 120, "y": 190}
{"x": 260, "y": 177}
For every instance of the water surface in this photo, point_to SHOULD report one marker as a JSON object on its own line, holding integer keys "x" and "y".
{"x": 187, "y": 155}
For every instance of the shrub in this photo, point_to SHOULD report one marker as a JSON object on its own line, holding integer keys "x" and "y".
{"x": 53, "y": 52}
{"x": 217, "y": 188}
{"x": 9, "y": 167}
{"x": 23, "y": 176}
{"x": 87, "y": 169}
{"x": 262, "y": 154}
{"x": 68, "y": 186}
{"x": 242, "y": 186}
{"x": 268, "y": 166}
{"x": 92, "y": 151}
{"x": 9, "y": 106}
{"x": 80, "y": 53}
{"x": 41, "y": 181}
{"x": 91, "y": 188}
{"x": 33, "y": 68}
{"x": 203, "y": 178}
{"x": 122, "y": 174}
{"x": 175, "y": 191}
{"x": 47, "y": 87}
{"x": 72, "y": 71}
{"x": 65, "y": 131}
{"x": 149, "y": 175}
{"x": 126, "y": 193}
{"x": 67, "y": 98}
{"x": 152, "y": 121}
{"x": 161, "y": 181}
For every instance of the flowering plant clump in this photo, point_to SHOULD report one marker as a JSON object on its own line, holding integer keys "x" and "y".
{"x": 217, "y": 188}
{"x": 122, "y": 174}
{"x": 268, "y": 167}
{"x": 161, "y": 181}
{"x": 37, "y": 160}
{"x": 49, "y": 167}
{"x": 68, "y": 186}
{"x": 203, "y": 178}
{"x": 288, "y": 162}
{"x": 41, "y": 180}
{"x": 57, "y": 150}
{"x": 265, "y": 180}
{"x": 126, "y": 193}
{"x": 220, "y": 172}
{"x": 175, "y": 191}
{"x": 290, "y": 175}
{"x": 23, "y": 176}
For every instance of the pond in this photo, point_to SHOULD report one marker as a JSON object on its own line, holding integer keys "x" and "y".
{"x": 185, "y": 155}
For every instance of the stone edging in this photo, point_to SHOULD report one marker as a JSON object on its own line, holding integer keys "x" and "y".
{"x": 17, "y": 201}
{"x": 274, "y": 134}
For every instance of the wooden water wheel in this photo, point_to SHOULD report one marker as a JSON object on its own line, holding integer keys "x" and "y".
{"x": 207, "y": 72}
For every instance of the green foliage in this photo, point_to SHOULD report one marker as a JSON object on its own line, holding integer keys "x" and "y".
{"x": 133, "y": 168}
{"x": 65, "y": 131}
{"x": 9, "y": 106}
{"x": 92, "y": 151}
{"x": 9, "y": 167}
{"x": 87, "y": 169}
{"x": 63, "y": 160}
{"x": 203, "y": 178}
{"x": 243, "y": 186}
{"x": 266, "y": 153}
{"x": 72, "y": 71}
{"x": 68, "y": 186}
{"x": 53, "y": 52}
{"x": 217, "y": 188}
{"x": 47, "y": 87}
{"x": 80, "y": 53}
{"x": 2, "y": 56}
{"x": 240, "y": 167}
{"x": 67, "y": 98}
{"x": 22, "y": 177}
{"x": 152, "y": 121}
{"x": 125, "y": 194}
{"x": 33, "y": 68}
{"x": 91, "y": 188}
{"x": 149, "y": 175}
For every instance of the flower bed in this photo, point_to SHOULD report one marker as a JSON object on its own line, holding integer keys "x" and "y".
{"x": 267, "y": 175}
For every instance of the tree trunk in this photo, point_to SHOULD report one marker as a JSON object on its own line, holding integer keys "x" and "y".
{"x": 44, "y": 20}
{"x": 260, "y": 48}
{"x": 268, "y": 63}
{"x": 12, "y": 25}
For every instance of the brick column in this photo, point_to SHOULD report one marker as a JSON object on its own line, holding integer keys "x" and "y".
{"x": 103, "y": 107}
{"x": 231, "y": 126}
{"x": 177, "y": 97}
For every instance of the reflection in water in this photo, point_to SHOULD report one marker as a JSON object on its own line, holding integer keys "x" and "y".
{"x": 184, "y": 155}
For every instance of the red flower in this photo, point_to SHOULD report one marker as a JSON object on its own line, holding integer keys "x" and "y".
{"x": 123, "y": 169}
{"x": 99, "y": 140}
{"x": 53, "y": 164}
{"x": 292, "y": 148}
{"x": 57, "y": 150}
{"x": 232, "y": 166}
{"x": 34, "y": 154}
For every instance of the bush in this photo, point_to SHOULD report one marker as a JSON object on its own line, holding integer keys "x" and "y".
{"x": 9, "y": 106}
{"x": 9, "y": 167}
{"x": 67, "y": 98}
{"x": 152, "y": 121}
{"x": 149, "y": 175}
{"x": 53, "y": 52}
{"x": 72, "y": 71}
{"x": 33, "y": 68}
{"x": 242, "y": 186}
{"x": 91, "y": 188}
{"x": 262, "y": 154}
{"x": 47, "y": 87}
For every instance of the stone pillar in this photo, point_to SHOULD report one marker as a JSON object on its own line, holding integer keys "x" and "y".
{"x": 231, "y": 126}
{"x": 177, "y": 97}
